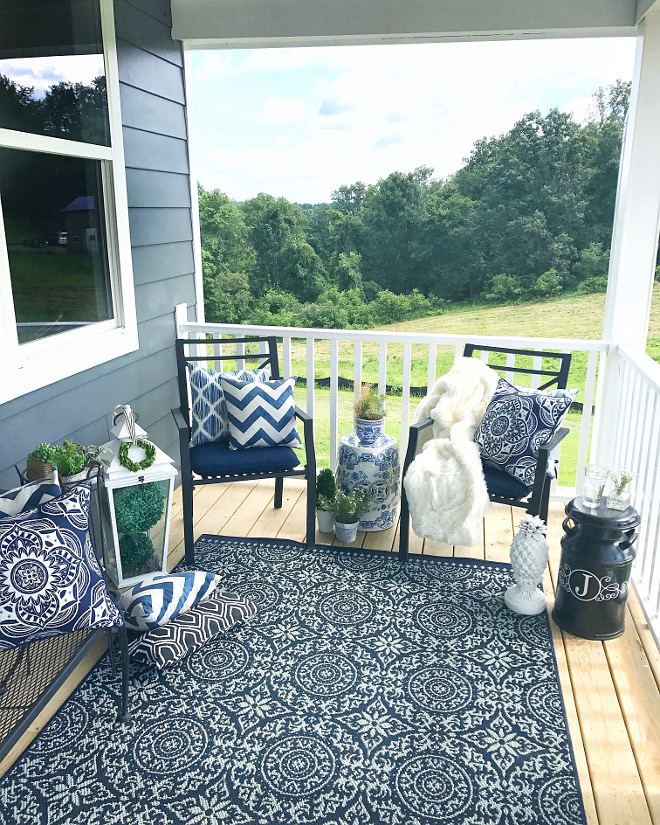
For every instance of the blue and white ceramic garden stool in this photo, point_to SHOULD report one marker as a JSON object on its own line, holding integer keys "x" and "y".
{"x": 369, "y": 459}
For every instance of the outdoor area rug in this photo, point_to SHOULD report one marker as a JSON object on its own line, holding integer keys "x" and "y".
{"x": 364, "y": 691}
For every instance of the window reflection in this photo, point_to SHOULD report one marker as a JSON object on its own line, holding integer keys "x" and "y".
{"x": 52, "y": 75}
{"x": 54, "y": 225}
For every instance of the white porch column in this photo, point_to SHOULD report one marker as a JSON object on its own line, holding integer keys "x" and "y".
{"x": 634, "y": 236}
{"x": 637, "y": 211}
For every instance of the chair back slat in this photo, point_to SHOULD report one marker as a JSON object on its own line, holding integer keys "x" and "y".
{"x": 219, "y": 351}
{"x": 556, "y": 377}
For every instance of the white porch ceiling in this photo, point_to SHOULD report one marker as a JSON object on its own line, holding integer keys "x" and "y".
{"x": 235, "y": 23}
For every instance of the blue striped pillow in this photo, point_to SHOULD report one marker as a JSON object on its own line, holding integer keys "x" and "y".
{"x": 29, "y": 496}
{"x": 209, "y": 412}
{"x": 261, "y": 414}
{"x": 161, "y": 598}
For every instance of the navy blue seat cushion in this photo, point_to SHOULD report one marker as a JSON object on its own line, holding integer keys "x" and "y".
{"x": 502, "y": 484}
{"x": 217, "y": 459}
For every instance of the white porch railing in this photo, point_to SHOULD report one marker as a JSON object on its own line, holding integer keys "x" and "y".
{"x": 636, "y": 446}
{"x": 406, "y": 346}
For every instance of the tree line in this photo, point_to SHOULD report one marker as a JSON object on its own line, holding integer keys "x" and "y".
{"x": 528, "y": 215}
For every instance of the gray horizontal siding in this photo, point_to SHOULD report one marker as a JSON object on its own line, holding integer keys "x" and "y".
{"x": 152, "y": 74}
{"x": 149, "y": 187}
{"x": 145, "y": 150}
{"x": 158, "y": 186}
{"x": 145, "y": 111}
{"x": 136, "y": 27}
{"x": 159, "y": 226}
{"x": 154, "y": 263}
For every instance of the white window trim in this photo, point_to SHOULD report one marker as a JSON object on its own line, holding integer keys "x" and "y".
{"x": 37, "y": 364}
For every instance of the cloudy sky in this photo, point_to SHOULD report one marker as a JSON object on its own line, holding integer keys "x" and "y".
{"x": 302, "y": 122}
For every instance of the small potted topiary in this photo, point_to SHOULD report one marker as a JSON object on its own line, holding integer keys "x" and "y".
{"x": 369, "y": 409}
{"x": 347, "y": 509}
{"x": 326, "y": 490}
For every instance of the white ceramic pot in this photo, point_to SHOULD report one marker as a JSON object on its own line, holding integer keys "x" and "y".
{"x": 346, "y": 532}
{"x": 326, "y": 520}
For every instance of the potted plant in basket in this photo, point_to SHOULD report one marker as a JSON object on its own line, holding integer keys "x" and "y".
{"x": 347, "y": 509}
{"x": 326, "y": 490}
{"x": 73, "y": 461}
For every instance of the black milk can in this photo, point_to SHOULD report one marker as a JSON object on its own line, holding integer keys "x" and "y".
{"x": 594, "y": 573}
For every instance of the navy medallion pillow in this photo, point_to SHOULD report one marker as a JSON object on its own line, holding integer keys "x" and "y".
{"x": 167, "y": 644}
{"x": 51, "y": 582}
{"x": 161, "y": 598}
{"x": 207, "y": 403}
{"x": 516, "y": 424}
{"x": 261, "y": 414}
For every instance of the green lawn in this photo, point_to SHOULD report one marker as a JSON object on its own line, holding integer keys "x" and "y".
{"x": 53, "y": 287}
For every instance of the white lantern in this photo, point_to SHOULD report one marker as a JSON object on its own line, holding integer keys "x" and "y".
{"x": 137, "y": 513}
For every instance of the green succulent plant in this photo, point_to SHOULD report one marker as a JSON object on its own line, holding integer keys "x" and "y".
{"x": 348, "y": 507}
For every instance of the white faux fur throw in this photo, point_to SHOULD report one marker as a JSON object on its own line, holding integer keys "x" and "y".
{"x": 445, "y": 483}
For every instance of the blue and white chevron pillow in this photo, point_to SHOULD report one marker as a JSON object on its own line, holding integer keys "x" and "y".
{"x": 29, "y": 496}
{"x": 209, "y": 413}
{"x": 261, "y": 414}
{"x": 161, "y": 598}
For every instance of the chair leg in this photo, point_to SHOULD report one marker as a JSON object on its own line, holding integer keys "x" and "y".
{"x": 188, "y": 533}
{"x": 404, "y": 526}
{"x": 124, "y": 713}
{"x": 311, "y": 510}
{"x": 279, "y": 489}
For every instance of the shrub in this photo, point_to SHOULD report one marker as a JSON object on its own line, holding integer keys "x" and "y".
{"x": 548, "y": 285}
{"x": 504, "y": 288}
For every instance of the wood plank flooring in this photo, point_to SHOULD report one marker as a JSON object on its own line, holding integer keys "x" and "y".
{"x": 611, "y": 690}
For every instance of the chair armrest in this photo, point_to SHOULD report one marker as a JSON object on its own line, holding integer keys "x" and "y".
{"x": 302, "y": 415}
{"x": 308, "y": 433}
{"x": 561, "y": 433}
{"x": 413, "y": 440}
{"x": 181, "y": 423}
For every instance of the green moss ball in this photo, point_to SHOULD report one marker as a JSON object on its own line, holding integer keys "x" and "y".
{"x": 138, "y": 508}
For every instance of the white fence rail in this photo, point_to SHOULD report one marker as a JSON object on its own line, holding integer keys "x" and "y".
{"x": 637, "y": 448}
{"x": 409, "y": 348}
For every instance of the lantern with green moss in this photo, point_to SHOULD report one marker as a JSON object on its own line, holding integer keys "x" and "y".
{"x": 138, "y": 509}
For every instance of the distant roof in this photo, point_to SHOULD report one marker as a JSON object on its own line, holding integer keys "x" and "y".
{"x": 80, "y": 204}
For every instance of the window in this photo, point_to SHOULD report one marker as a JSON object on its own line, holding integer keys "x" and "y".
{"x": 66, "y": 292}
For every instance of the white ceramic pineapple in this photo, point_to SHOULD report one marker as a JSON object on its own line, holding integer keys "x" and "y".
{"x": 529, "y": 556}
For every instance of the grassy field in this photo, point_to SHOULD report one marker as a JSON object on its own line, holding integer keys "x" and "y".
{"x": 574, "y": 316}
{"x": 53, "y": 287}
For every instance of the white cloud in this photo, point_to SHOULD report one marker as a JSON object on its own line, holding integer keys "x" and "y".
{"x": 215, "y": 66}
{"x": 359, "y": 113}
{"x": 279, "y": 110}
{"x": 43, "y": 72}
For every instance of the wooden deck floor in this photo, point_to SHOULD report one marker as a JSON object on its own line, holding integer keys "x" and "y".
{"x": 611, "y": 689}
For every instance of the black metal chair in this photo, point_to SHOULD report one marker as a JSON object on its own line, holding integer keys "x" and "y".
{"x": 502, "y": 488}
{"x": 215, "y": 462}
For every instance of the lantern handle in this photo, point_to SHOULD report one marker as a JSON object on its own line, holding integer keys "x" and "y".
{"x": 130, "y": 417}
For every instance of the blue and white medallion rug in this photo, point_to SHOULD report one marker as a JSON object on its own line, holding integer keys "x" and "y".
{"x": 364, "y": 691}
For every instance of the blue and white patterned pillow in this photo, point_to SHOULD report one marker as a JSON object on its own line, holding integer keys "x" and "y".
{"x": 209, "y": 412}
{"x": 517, "y": 422}
{"x": 51, "y": 582}
{"x": 261, "y": 414}
{"x": 29, "y": 496}
{"x": 161, "y": 598}
{"x": 168, "y": 644}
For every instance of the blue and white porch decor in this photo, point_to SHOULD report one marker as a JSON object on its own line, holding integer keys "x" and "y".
{"x": 363, "y": 691}
{"x": 369, "y": 459}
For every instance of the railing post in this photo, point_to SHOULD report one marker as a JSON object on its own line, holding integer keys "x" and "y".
{"x": 606, "y": 415}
